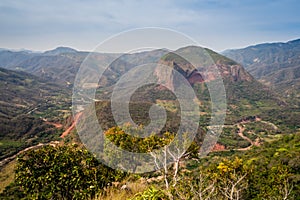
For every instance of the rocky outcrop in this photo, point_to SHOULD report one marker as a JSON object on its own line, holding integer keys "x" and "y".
{"x": 238, "y": 73}
{"x": 166, "y": 75}
{"x": 168, "y": 72}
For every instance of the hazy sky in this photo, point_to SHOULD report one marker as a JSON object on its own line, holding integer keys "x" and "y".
{"x": 82, "y": 24}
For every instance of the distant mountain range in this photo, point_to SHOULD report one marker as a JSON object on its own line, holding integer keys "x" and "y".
{"x": 274, "y": 64}
{"x": 59, "y": 65}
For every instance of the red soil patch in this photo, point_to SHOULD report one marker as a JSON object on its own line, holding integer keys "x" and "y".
{"x": 57, "y": 125}
{"x": 76, "y": 119}
{"x": 218, "y": 147}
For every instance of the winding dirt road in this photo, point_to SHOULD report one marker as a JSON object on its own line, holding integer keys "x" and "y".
{"x": 76, "y": 119}
{"x": 240, "y": 133}
{"x": 57, "y": 125}
{"x": 241, "y": 128}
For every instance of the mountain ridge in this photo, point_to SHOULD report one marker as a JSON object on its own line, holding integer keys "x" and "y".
{"x": 274, "y": 64}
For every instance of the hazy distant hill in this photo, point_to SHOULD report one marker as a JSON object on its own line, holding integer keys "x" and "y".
{"x": 274, "y": 64}
{"x": 60, "y": 50}
{"x": 59, "y": 65}
{"x": 10, "y": 59}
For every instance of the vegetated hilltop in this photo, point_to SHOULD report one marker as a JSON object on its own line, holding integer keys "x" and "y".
{"x": 246, "y": 97}
{"x": 274, "y": 64}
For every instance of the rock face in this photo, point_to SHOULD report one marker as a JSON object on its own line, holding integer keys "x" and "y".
{"x": 203, "y": 71}
{"x": 165, "y": 74}
{"x": 238, "y": 73}
{"x": 195, "y": 77}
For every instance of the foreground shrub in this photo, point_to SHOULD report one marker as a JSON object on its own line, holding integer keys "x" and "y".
{"x": 63, "y": 172}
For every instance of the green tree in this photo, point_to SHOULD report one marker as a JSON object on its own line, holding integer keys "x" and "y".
{"x": 126, "y": 138}
{"x": 63, "y": 172}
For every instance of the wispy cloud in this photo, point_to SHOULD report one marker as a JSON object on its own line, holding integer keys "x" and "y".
{"x": 82, "y": 24}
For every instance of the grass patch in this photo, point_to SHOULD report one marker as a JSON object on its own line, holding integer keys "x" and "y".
{"x": 10, "y": 143}
{"x": 7, "y": 174}
{"x": 115, "y": 193}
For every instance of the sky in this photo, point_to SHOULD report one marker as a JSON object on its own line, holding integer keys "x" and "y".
{"x": 83, "y": 24}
